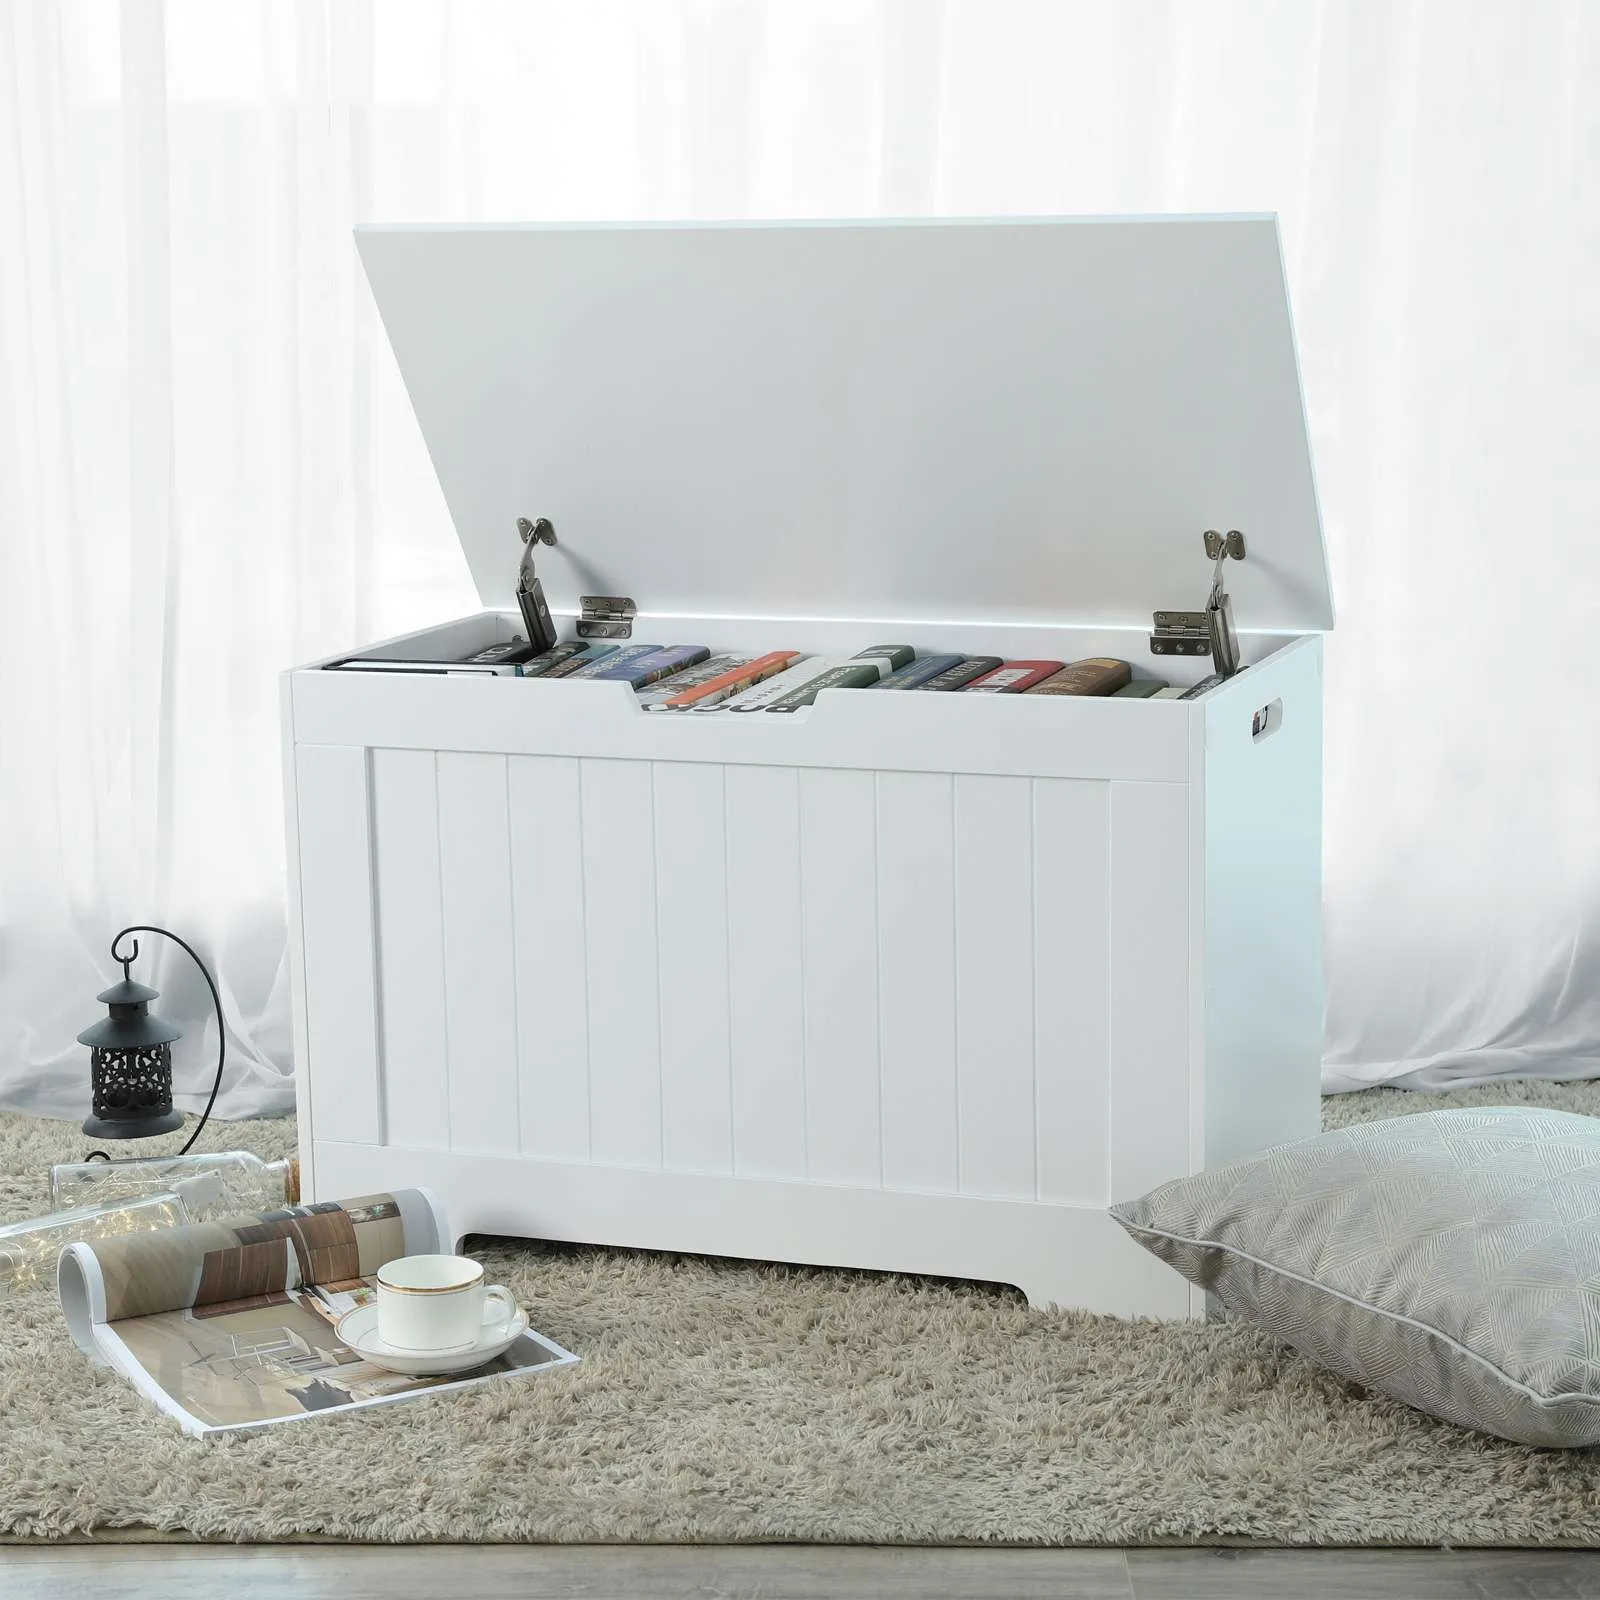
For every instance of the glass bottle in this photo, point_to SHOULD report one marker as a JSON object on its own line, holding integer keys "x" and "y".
{"x": 28, "y": 1250}
{"x": 247, "y": 1182}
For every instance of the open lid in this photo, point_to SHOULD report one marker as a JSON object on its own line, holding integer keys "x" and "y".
{"x": 1028, "y": 421}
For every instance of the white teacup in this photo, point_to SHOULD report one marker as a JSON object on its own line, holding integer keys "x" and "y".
{"x": 439, "y": 1303}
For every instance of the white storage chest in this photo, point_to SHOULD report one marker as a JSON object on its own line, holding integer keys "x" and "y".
{"x": 916, "y": 981}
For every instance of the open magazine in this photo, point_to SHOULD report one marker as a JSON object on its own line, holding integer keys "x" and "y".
{"x": 231, "y": 1324}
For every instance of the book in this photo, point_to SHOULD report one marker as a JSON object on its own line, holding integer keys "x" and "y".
{"x": 1097, "y": 675}
{"x": 546, "y": 661}
{"x": 1014, "y": 677}
{"x": 434, "y": 669}
{"x": 516, "y": 651}
{"x": 230, "y": 1324}
{"x": 1200, "y": 688}
{"x": 648, "y": 665}
{"x": 847, "y": 675}
{"x": 685, "y": 682}
{"x": 897, "y": 655}
{"x": 588, "y": 656}
{"x": 715, "y": 690}
{"x": 761, "y": 695}
{"x": 665, "y": 663}
{"x": 1140, "y": 689}
{"x": 1173, "y": 691}
{"x": 863, "y": 668}
{"x": 916, "y": 673}
{"x": 958, "y": 677}
{"x": 620, "y": 658}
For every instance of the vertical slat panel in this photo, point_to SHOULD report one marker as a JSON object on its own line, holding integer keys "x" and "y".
{"x": 994, "y": 985}
{"x": 916, "y": 980}
{"x": 405, "y": 858}
{"x": 336, "y": 917}
{"x": 479, "y": 963}
{"x": 692, "y": 928}
{"x": 620, "y": 940}
{"x": 1149, "y": 986}
{"x": 1071, "y": 851}
{"x": 765, "y": 970}
{"x": 839, "y": 916}
{"x": 547, "y": 894}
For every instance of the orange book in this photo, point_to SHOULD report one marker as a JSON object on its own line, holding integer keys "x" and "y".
{"x": 732, "y": 681}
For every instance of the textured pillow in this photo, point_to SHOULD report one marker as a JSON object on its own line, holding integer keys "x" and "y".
{"x": 1451, "y": 1260}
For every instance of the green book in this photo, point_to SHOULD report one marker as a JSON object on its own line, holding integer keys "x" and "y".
{"x": 1139, "y": 689}
{"x": 896, "y": 655}
{"x": 548, "y": 660}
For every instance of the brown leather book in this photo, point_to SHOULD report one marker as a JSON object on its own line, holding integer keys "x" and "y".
{"x": 1097, "y": 675}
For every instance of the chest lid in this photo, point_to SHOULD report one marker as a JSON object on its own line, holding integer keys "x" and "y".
{"x": 1027, "y": 421}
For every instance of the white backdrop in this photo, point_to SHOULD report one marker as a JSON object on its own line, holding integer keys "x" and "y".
{"x": 208, "y": 470}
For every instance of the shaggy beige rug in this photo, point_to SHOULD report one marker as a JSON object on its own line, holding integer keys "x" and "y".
{"x": 726, "y": 1401}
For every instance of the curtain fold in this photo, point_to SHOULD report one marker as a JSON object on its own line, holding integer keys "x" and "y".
{"x": 208, "y": 469}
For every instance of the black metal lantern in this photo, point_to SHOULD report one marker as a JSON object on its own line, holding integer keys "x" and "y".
{"x": 130, "y": 1055}
{"x": 130, "y": 1065}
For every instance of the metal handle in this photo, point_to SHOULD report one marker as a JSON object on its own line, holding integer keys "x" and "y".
{"x": 1266, "y": 721}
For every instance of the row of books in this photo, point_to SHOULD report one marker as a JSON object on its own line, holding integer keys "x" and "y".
{"x": 693, "y": 678}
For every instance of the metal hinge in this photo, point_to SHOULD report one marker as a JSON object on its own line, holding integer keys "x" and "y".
{"x": 1181, "y": 633}
{"x": 605, "y": 616}
{"x": 1210, "y": 632}
{"x": 1219, "y": 608}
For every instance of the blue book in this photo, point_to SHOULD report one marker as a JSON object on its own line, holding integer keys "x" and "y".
{"x": 615, "y": 657}
{"x": 650, "y": 667}
{"x": 916, "y": 673}
{"x": 587, "y": 657}
{"x": 963, "y": 673}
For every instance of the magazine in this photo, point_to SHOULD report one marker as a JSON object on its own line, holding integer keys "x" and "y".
{"x": 227, "y": 1325}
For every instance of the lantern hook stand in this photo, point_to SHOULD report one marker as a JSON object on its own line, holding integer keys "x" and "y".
{"x": 216, "y": 1001}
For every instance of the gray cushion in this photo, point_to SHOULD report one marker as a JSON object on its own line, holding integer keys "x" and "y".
{"x": 1451, "y": 1260}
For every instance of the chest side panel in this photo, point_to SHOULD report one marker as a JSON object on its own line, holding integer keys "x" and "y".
{"x": 1262, "y": 800}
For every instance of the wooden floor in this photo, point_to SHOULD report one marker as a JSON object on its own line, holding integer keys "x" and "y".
{"x": 786, "y": 1572}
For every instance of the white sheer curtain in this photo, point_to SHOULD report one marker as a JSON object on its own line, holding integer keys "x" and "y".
{"x": 208, "y": 470}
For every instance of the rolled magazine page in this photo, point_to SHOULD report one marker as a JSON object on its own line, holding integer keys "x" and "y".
{"x": 83, "y": 1297}
{"x": 259, "y": 1253}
